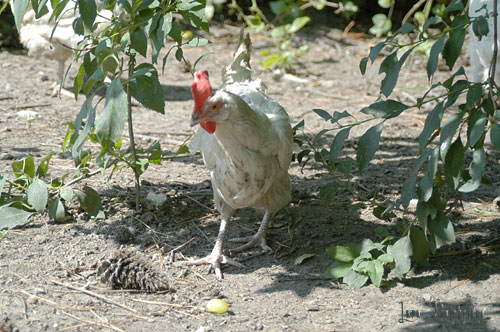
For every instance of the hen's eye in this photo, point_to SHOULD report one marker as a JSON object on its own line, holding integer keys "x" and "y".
{"x": 214, "y": 107}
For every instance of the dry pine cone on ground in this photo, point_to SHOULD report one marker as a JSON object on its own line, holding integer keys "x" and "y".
{"x": 129, "y": 270}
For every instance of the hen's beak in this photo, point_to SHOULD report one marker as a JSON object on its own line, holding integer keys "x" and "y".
{"x": 195, "y": 119}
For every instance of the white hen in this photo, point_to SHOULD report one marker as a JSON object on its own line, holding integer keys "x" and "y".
{"x": 481, "y": 51}
{"x": 246, "y": 142}
{"x": 35, "y": 34}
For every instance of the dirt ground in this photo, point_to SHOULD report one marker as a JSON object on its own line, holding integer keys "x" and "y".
{"x": 41, "y": 288}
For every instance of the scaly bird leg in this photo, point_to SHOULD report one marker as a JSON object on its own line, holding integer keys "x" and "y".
{"x": 216, "y": 257}
{"x": 57, "y": 88}
{"x": 259, "y": 239}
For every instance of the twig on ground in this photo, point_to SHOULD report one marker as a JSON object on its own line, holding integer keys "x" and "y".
{"x": 199, "y": 203}
{"x": 470, "y": 275}
{"x": 109, "y": 326}
{"x": 21, "y": 107}
{"x": 202, "y": 233}
{"x": 105, "y": 299}
{"x": 57, "y": 305}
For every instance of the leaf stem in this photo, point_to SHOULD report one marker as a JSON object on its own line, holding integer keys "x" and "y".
{"x": 131, "y": 66}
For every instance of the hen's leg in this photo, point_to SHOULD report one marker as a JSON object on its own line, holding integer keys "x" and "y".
{"x": 57, "y": 88}
{"x": 216, "y": 257}
{"x": 259, "y": 239}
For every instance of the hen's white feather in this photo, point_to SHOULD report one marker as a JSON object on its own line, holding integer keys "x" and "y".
{"x": 481, "y": 51}
{"x": 250, "y": 151}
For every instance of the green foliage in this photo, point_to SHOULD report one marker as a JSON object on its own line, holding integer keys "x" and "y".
{"x": 31, "y": 192}
{"x": 441, "y": 171}
{"x": 356, "y": 264}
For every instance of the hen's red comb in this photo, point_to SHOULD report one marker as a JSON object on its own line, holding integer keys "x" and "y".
{"x": 201, "y": 89}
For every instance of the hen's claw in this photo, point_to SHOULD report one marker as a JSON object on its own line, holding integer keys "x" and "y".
{"x": 252, "y": 241}
{"x": 215, "y": 260}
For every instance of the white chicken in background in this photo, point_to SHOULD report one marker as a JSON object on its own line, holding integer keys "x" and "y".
{"x": 35, "y": 35}
{"x": 481, "y": 51}
{"x": 246, "y": 142}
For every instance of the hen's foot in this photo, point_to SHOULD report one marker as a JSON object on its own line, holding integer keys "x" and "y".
{"x": 58, "y": 92}
{"x": 252, "y": 241}
{"x": 215, "y": 260}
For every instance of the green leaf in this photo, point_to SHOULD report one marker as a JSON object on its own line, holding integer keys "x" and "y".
{"x": 476, "y": 128}
{"x": 420, "y": 245}
{"x": 345, "y": 254}
{"x": 337, "y": 270}
{"x": 384, "y": 3}
{"x": 188, "y": 4}
{"x": 362, "y": 65}
{"x": 390, "y": 66}
{"x": 78, "y": 83}
{"x": 323, "y": 114}
{"x": 38, "y": 195}
{"x": 89, "y": 112}
{"x": 368, "y": 145}
{"x": 42, "y": 169}
{"x": 476, "y": 170}
{"x": 432, "y": 122}
{"x": 385, "y": 109}
{"x": 449, "y": 130}
{"x": 375, "y": 51}
{"x": 455, "y": 5}
{"x": 431, "y": 21}
{"x": 474, "y": 95}
{"x": 88, "y": 12}
{"x": 454, "y": 164}
{"x": 11, "y": 217}
{"x": 111, "y": 122}
{"x": 409, "y": 185}
{"x": 56, "y": 211}
{"x": 427, "y": 182}
{"x": 433, "y": 61}
{"x": 375, "y": 271}
{"x": 406, "y": 29}
{"x": 139, "y": 41}
{"x": 25, "y": 166}
{"x": 89, "y": 200}
{"x": 401, "y": 251}
{"x": 179, "y": 54}
{"x": 197, "y": 41}
{"x": 354, "y": 280}
{"x": 442, "y": 230}
{"x": 147, "y": 89}
{"x": 67, "y": 194}
{"x": 480, "y": 27}
{"x": 454, "y": 43}
{"x": 327, "y": 192}
{"x": 19, "y": 9}
{"x": 40, "y": 8}
{"x": 495, "y": 135}
{"x": 338, "y": 144}
{"x": 176, "y": 33}
{"x": 366, "y": 246}
{"x": 345, "y": 166}
{"x": 385, "y": 259}
{"x": 298, "y": 24}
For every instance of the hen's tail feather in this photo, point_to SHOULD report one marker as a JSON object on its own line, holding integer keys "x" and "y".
{"x": 239, "y": 70}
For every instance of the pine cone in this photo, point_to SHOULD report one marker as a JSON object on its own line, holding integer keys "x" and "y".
{"x": 129, "y": 270}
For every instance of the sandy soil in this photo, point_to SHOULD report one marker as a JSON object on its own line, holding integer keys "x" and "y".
{"x": 41, "y": 288}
